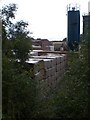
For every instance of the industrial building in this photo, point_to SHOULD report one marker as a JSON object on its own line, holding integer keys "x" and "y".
{"x": 86, "y": 21}
{"x": 57, "y": 45}
{"x": 73, "y": 20}
{"x": 0, "y": 29}
{"x": 42, "y": 44}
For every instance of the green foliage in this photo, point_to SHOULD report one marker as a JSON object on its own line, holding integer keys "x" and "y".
{"x": 18, "y": 91}
{"x": 72, "y": 99}
{"x": 18, "y": 86}
{"x": 8, "y": 12}
{"x": 22, "y": 48}
{"x": 16, "y": 42}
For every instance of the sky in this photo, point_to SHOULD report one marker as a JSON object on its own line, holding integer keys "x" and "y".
{"x": 47, "y": 18}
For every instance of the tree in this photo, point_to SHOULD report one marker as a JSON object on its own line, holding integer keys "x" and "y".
{"x": 72, "y": 99}
{"x": 21, "y": 41}
{"x": 15, "y": 36}
{"x": 18, "y": 87}
{"x": 8, "y": 13}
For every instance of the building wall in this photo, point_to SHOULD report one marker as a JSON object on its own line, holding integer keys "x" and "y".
{"x": 57, "y": 45}
{"x": 60, "y": 45}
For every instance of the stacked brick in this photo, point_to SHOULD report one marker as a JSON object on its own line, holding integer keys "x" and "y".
{"x": 48, "y": 71}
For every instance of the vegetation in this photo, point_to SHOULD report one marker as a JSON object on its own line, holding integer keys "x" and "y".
{"x": 18, "y": 93}
{"x": 15, "y": 35}
{"x": 70, "y": 99}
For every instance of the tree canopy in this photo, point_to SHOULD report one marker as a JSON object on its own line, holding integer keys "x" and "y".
{"x": 15, "y": 36}
{"x": 18, "y": 88}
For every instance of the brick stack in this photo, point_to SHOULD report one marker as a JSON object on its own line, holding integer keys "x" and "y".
{"x": 48, "y": 70}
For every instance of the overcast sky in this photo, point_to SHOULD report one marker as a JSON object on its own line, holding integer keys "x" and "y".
{"x": 46, "y": 18}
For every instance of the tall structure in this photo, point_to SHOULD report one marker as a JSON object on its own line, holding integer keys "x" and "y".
{"x": 89, "y": 15}
{"x": 73, "y": 34}
{"x": 85, "y": 24}
{"x": 0, "y": 29}
{"x": 86, "y": 21}
{"x": 89, "y": 7}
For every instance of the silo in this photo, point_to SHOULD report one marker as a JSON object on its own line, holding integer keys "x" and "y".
{"x": 89, "y": 7}
{"x": 89, "y": 28}
{"x": 73, "y": 20}
{"x": 86, "y": 22}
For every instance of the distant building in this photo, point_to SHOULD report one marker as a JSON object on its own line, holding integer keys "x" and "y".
{"x": 60, "y": 45}
{"x": 57, "y": 45}
{"x": 42, "y": 44}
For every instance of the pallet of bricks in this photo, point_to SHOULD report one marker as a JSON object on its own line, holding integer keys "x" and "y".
{"x": 37, "y": 67}
{"x": 48, "y": 71}
{"x": 59, "y": 62}
{"x": 54, "y": 68}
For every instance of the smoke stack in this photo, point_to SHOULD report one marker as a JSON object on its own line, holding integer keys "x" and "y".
{"x": 89, "y": 7}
